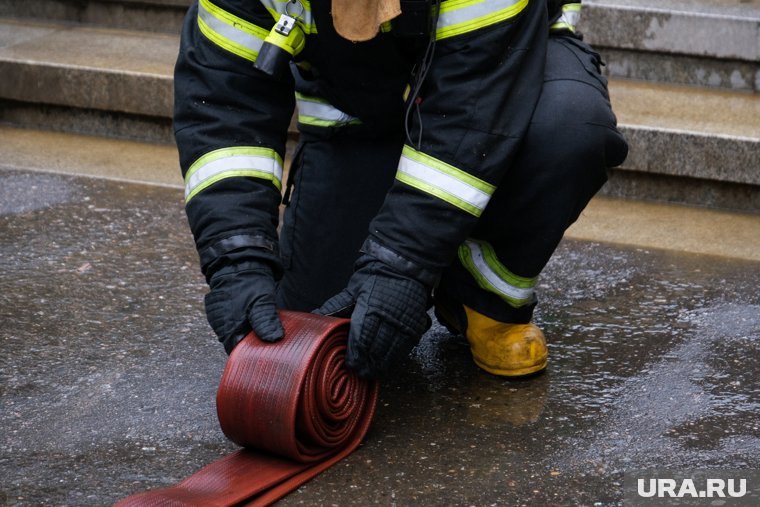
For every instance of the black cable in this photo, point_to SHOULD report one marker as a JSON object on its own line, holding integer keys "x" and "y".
{"x": 419, "y": 78}
{"x": 419, "y": 134}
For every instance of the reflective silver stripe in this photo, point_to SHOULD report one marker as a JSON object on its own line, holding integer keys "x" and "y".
{"x": 462, "y": 16}
{"x": 444, "y": 181}
{"x": 230, "y": 32}
{"x": 314, "y": 111}
{"x": 239, "y": 161}
{"x": 571, "y": 15}
{"x": 479, "y": 259}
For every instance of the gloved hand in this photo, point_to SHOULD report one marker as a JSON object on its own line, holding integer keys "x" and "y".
{"x": 388, "y": 312}
{"x": 242, "y": 299}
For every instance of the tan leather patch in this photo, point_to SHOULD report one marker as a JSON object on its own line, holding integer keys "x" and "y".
{"x": 360, "y": 20}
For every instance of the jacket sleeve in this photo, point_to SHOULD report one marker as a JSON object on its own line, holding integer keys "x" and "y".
{"x": 473, "y": 110}
{"x": 230, "y": 124}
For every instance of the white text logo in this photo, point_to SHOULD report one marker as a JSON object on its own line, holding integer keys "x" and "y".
{"x": 713, "y": 488}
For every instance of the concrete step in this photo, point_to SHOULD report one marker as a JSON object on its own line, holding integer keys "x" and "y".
{"x": 712, "y": 43}
{"x": 101, "y": 157}
{"x": 85, "y": 79}
{"x": 687, "y": 144}
{"x": 117, "y": 159}
{"x": 147, "y": 15}
{"x": 644, "y": 224}
{"x": 611, "y": 220}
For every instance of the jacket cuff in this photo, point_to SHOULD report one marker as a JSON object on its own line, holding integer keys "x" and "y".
{"x": 400, "y": 264}
{"x": 232, "y": 250}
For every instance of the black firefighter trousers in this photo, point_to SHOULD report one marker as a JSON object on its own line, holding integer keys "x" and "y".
{"x": 340, "y": 184}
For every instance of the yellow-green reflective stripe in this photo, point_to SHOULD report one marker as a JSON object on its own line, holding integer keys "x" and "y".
{"x": 479, "y": 258}
{"x": 461, "y": 16}
{"x": 571, "y": 15}
{"x": 444, "y": 181}
{"x": 562, "y": 26}
{"x": 250, "y": 161}
{"x": 230, "y": 32}
{"x": 318, "y": 122}
{"x": 320, "y": 113}
{"x": 305, "y": 18}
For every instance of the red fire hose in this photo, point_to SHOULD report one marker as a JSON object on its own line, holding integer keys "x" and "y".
{"x": 293, "y": 407}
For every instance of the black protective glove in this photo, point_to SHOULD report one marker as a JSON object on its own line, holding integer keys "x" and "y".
{"x": 242, "y": 299}
{"x": 388, "y": 311}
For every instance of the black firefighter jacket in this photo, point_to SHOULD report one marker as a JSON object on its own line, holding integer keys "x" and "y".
{"x": 472, "y": 109}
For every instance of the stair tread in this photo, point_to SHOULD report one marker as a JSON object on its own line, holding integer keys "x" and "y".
{"x": 743, "y": 8}
{"x": 695, "y": 28}
{"x": 667, "y": 226}
{"x": 645, "y": 224}
{"x": 88, "y": 155}
{"x": 696, "y": 110}
{"x": 642, "y": 104}
{"x": 107, "y": 49}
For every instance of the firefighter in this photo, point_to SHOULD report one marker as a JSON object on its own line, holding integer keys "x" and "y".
{"x": 445, "y": 146}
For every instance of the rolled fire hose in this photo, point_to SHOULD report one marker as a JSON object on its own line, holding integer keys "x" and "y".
{"x": 293, "y": 407}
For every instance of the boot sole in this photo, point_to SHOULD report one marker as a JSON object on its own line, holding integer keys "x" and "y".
{"x": 516, "y": 372}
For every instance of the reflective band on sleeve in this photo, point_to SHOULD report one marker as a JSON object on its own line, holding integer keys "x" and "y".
{"x": 568, "y": 20}
{"x": 319, "y": 113}
{"x": 444, "y": 181}
{"x": 246, "y": 161}
{"x": 301, "y": 10}
{"x": 479, "y": 258}
{"x": 462, "y": 16}
{"x": 230, "y": 32}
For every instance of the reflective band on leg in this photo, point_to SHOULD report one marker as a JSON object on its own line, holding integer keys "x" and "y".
{"x": 568, "y": 20}
{"x": 247, "y": 161}
{"x": 318, "y": 112}
{"x": 479, "y": 258}
{"x": 458, "y": 17}
{"x": 230, "y": 32}
{"x": 444, "y": 181}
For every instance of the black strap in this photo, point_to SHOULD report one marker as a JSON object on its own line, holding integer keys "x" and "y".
{"x": 237, "y": 242}
{"x": 401, "y": 264}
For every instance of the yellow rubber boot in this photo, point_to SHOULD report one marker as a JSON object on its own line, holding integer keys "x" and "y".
{"x": 508, "y": 350}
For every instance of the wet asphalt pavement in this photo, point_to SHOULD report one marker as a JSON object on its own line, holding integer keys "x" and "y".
{"x": 108, "y": 369}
